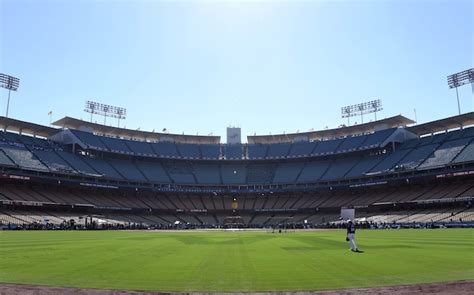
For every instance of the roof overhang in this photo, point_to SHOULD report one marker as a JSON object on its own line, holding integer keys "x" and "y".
{"x": 391, "y": 122}
{"x": 26, "y": 127}
{"x": 459, "y": 121}
{"x": 73, "y": 123}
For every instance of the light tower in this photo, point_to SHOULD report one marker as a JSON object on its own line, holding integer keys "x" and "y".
{"x": 11, "y": 83}
{"x": 460, "y": 79}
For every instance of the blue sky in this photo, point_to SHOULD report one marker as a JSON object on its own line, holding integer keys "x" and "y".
{"x": 267, "y": 66}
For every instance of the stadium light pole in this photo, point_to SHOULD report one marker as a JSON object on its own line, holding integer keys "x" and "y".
{"x": 11, "y": 84}
{"x": 460, "y": 79}
{"x": 105, "y": 110}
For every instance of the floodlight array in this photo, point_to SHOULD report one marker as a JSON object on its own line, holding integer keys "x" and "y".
{"x": 361, "y": 108}
{"x": 105, "y": 110}
{"x": 461, "y": 78}
{"x": 9, "y": 82}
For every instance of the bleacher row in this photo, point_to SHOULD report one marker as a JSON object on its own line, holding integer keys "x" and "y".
{"x": 173, "y": 202}
{"x": 425, "y": 153}
{"x": 256, "y": 219}
{"x": 232, "y": 152}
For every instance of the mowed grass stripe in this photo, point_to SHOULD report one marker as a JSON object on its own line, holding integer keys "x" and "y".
{"x": 234, "y": 261}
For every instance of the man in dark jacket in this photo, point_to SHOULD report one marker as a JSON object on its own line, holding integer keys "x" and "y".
{"x": 351, "y": 229}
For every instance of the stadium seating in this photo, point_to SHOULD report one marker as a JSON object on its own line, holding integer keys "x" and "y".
{"x": 389, "y": 161}
{"x": 260, "y": 173}
{"x": 467, "y": 154}
{"x": 165, "y": 149}
{"x": 233, "y": 152}
{"x": 207, "y": 174}
{"x": 313, "y": 171}
{"x": 115, "y": 145}
{"x": 210, "y": 151}
{"x": 102, "y": 167}
{"x": 302, "y": 149}
{"x": 363, "y": 166}
{"x": 350, "y": 144}
{"x": 153, "y": 171}
{"x": 339, "y": 169}
{"x": 127, "y": 169}
{"x": 4, "y": 160}
{"x": 257, "y": 151}
{"x": 327, "y": 147}
{"x": 253, "y": 164}
{"x": 189, "y": 151}
{"x": 445, "y": 153}
{"x": 140, "y": 148}
{"x": 181, "y": 173}
{"x": 278, "y": 150}
{"x": 376, "y": 139}
{"x": 233, "y": 174}
{"x": 288, "y": 172}
{"x": 23, "y": 157}
{"x": 53, "y": 161}
{"x": 76, "y": 162}
{"x": 417, "y": 156}
{"x": 90, "y": 140}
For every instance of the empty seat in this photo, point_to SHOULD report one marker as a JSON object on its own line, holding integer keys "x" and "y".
{"x": 257, "y": 151}
{"x": 154, "y": 171}
{"x": 23, "y": 158}
{"x": 233, "y": 152}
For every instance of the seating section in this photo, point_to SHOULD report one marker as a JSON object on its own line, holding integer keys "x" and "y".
{"x": 103, "y": 168}
{"x": 445, "y": 153}
{"x": 210, "y": 151}
{"x": 189, "y": 151}
{"x": 389, "y": 161}
{"x": 302, "y": 149}
{"x": 253, "y": 204}
{"x": 181, "y": 173}
{"x": 153, "y": 171}
{"x": 429, "y": 152}
{"x": 165, "y": 149}
{"x": 467, "y": 154}
{"x": 363, "y": 166}
{"x": 207, "y": 174}
{"x": 339, "y": 169}
{"x": 233, "y": 152}
{"x": 257, "y": 151}
{"x": 287, "y": 173}
{"x": 23, "y": 157}
{"x": 127, "y": 169}
{"x": 278, "y": 150}
{"x": 376, "y": 139}
{"x": 76, "y": 162}
{"x": 140, "y": 148}
{"x": 116, "y": 145}
{"x": 4, "y": 160}
{"x": 417, "y": 156}
{"x": 233, "y": 174}
{"x": 260, "y": 173}
{"x": 90, "y": 140}
{"x": 53, "y": 161}
{"x": 313, "y": 171}
{"x": 327, "y": 147}
{"x": 350, "y": 144}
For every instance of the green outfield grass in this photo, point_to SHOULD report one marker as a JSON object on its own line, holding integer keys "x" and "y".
{"x": 234, "y": 261}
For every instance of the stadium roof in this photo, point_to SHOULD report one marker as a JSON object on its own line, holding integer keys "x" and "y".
{"x": 73, "y": 123}
{"x": 391, "y": 122}
{"x": 26, "y": 127}
{"x": 443, "y": 124}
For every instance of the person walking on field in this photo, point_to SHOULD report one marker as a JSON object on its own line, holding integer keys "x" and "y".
{"x": 351, "y": 229}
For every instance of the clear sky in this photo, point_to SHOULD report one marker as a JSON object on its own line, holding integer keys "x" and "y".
{"x": 267, "y": 66}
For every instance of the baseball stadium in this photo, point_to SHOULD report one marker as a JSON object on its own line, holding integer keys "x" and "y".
{"x": 143, "y": 151}
{"x": 127, "y": 209}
